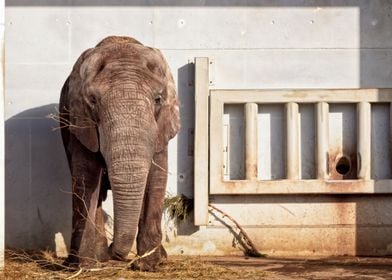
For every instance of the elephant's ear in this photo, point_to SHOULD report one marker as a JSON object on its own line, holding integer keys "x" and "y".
{"x": 168, "y": 119}
{"x": 86, "y": 132}
{"x": 82, "y": 124}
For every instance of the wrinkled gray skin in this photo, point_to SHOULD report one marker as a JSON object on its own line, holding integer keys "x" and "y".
{"x": 121, "y": 109}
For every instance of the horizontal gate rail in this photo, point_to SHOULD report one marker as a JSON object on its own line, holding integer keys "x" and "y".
{"x": 302, "y": 96}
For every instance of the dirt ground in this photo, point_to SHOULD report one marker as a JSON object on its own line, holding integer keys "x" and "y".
{"x": 43, "y": 265}
{"x": 327, "y": 268}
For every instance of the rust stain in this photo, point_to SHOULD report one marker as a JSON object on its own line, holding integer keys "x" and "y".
{"x": 251, "y": 170}
{"x": 342, "y": 166}
{"x": 350, "y": 186}
{"x": 297, "y": 94}
{"x": 336, "y": 186}
{"x": 232, "y": 186}
{"x": 235, "y": 186}
{"x": 344, "y": 215}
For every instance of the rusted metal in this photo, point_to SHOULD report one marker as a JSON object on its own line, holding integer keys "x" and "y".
{"x": 342, "y": 166}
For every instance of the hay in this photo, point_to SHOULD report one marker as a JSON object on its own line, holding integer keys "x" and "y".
{"x": 178, "y": 207}
{"x": 45, "y": 265}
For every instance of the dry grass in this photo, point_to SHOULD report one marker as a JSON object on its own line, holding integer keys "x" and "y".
{"x": 178, "y": 207}
{"x": 44, "y": 265}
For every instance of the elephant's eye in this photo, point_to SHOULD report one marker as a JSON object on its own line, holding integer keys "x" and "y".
{"x": 158, "y": 99}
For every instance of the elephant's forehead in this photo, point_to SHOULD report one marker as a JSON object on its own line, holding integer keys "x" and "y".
{"x": 138, "y": 53}
{"x": 147, "y": 62}
{"x": 118, "y": 40}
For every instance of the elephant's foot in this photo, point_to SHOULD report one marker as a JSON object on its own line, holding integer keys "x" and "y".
{"x": 73, "y": 261}
{"x": 114, "y": 255}
{"x": 150, "y": 262}
{"x": 142, "y": 265}
{"x": 102, "y": 251}
{"x": 102, "y": 255}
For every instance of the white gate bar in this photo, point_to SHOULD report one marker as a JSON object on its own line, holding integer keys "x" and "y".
{"x": 237, "y": 96}
{"x": 293, "y": 154}
{"x": 364, "y": 140}
{"x": 216, "y": 144}
{"x": 322, "y": 110}
{"x": 201, "y": 141}
{"x": 312, "y": 186}
{"x": 251, "y": 110}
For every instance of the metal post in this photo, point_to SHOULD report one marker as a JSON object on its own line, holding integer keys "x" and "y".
{"x": 364, "y": 140}
{"x": 201, "y": 140}
{"x": 293, "y": 154}
{"x": 322, "y": 110}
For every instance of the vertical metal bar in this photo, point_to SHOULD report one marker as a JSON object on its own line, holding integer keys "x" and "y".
{"x": 201, "y": 141}
{"x": 251, "y": 141}
{"x": 322, "y": 144}
{"x": 364, "y": 140}
{"x": 216, "y": 147}
{"x": 226, "y": 145}
{"x": 293, "y": 149}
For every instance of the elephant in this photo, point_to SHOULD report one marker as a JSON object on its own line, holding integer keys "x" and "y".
{"x": 118, "y": 110}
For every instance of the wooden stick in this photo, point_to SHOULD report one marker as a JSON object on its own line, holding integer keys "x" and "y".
{"x": 76, "y": 274}
{"x": 252, "y": 251}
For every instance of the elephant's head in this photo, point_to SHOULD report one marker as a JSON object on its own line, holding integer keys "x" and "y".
{"x": 123, "y": 104}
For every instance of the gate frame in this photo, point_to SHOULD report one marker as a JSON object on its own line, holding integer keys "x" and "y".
{"x": 208, "y": 161}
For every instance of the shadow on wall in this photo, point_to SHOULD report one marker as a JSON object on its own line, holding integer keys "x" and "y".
{"x": 185, "y": 137}
{"x": 185, "y": 140}
{"x": 37, "y": 183}
{"x": 38, "y": 203}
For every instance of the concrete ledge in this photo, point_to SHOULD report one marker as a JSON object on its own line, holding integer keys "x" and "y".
{"x": 303, "y": 187}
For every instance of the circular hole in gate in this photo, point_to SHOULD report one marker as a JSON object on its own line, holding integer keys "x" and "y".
{"x": 343, "y": 165}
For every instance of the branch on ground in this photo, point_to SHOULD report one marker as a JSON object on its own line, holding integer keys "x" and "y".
{"x": 242, "y": 238}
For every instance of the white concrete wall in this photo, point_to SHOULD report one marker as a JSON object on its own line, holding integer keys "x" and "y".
{"x": 254, "y": 44}
{"x": 2, "y": 59}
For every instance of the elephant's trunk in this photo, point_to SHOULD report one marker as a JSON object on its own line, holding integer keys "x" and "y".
{"x": 128, "y": 179}
{"x": 128, "y": 145}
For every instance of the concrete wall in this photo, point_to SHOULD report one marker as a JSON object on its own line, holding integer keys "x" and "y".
{"x": 254, "y": 44}
{"x": 2, "y": 59}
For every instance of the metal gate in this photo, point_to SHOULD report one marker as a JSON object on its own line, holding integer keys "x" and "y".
{"x": 338, "y": 168}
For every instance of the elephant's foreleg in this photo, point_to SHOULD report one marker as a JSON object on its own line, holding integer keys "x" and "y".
{"x": 150, "y": 233}
{"x": 101, "y": 244}
{"x": 86, "y": 174}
